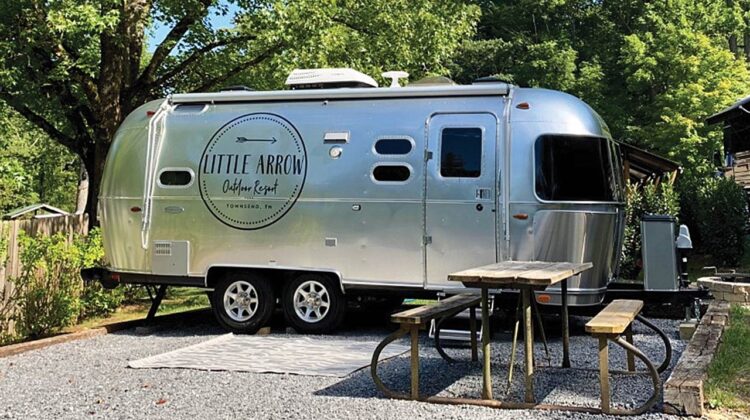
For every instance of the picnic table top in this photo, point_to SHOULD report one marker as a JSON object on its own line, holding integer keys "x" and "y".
{"x": 519, "y": 273}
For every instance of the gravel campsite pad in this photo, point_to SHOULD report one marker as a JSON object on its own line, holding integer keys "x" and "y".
{"x": 90, "y": 379}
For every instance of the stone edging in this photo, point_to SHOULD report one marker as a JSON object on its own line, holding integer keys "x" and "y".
{"x": 734, "y": 292}
{"x": 19, "y": 348}
{"x": 683, "y": 391}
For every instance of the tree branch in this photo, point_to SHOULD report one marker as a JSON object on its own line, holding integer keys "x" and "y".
{"x": 170, "y": 41}
{"x": 40, "y": 122}
{"x": 351, "y": 26}
{"x": 196, "y": 55}
{"x": 239, "y": 68}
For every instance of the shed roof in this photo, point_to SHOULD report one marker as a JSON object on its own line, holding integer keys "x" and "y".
{"x": 738, "y": 109}
{"x": 50, "y": 211}
{"x": 643, "y": 164}
{"x": 736, "y": 123}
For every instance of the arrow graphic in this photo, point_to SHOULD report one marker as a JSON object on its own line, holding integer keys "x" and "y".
{"x": 272, "y": 140}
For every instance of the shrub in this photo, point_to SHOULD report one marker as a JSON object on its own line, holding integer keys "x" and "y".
{"x": 649, "y": 198}
{"x": 716, "y": 211}
{"x": 95, "y": 300}
{"x": 49, "y": 294}
{"x": 48, "y": 289}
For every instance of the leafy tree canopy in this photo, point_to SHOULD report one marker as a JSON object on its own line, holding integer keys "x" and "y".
{"x": 654, "y": 70}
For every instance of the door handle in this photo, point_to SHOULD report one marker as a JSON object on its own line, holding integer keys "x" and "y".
{"x": 483, "y": 194}
{"x": 174, "y": 209}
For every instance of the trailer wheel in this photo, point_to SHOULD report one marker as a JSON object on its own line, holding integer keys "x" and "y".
{"x": 243, "y": 302}
{"x": 313, "y": 303}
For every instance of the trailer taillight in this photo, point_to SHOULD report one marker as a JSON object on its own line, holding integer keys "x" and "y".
{"x": 115, "y": 277}
{"x": 543, "y": 298}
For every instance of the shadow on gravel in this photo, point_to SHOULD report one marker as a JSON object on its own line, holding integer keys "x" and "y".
{"x": 435, "y": 377}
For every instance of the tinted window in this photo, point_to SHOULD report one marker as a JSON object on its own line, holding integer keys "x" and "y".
{"x": 175, "y": 178}
{"x": 574, "y": 168}
{"x": 393, "y": 146}
{"x": 461, "y": 152}
{"x": 391, "y": 173}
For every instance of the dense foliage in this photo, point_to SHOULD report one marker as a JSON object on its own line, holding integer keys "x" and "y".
{"x": 716, "y": 210}
{"x": 49, "y": 295}
{"x": 33, "y": 168}
{"x": 654, "y": 70}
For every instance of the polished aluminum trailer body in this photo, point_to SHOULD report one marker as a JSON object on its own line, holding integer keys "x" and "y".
{"x": 288, "y": 180}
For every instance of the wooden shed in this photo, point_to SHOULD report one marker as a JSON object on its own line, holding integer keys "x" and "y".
{"x": 735, "y": 121}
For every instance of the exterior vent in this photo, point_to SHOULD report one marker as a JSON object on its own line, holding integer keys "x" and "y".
{"x": 329, "y": 79}
{"x": 433, "y": 81}
{"x": 163, "y": 249}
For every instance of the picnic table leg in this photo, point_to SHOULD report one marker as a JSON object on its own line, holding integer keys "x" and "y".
{"x": 631, "y": 357}
{"x": 473, "y": 329}
{"x": 604, "y": 373}
{"x": 565, "y": 324}
{"x": 415, "y": 362}
{"x": 529, "y": 343}
{"x": 514, "y": 342}
{"x": 486, "y": 372}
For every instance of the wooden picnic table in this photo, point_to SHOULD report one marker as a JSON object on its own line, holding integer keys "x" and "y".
{"x": 526, "y": 276}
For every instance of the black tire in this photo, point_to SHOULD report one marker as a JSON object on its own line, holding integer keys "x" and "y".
{"x": 234, "y": 319}
{"x": 327, "y": 290}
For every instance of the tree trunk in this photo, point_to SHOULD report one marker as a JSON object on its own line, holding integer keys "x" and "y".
{"x": 733, "y": 44}
{"x": 83, "y": 190}
{"x": 747, "y": 46}
{"x": 95, "y": 168}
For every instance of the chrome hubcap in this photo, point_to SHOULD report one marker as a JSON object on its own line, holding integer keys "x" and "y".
{"x": 311, "y": 301}
{"x": 240, "y": 301}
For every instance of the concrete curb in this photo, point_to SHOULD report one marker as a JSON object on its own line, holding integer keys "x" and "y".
{"x": 683, "y": 391}
{"x": 19, "y": 348}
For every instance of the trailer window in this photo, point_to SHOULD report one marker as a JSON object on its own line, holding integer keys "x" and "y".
{"x": 574, "y": 168}
{"x": 461, "y": 152}
{"x": 393, "y": 146}
{"x": 175, "y": 178}
{"x": 391, "y": 173}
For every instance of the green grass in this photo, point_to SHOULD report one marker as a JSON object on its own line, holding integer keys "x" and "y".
{"x": 728, "y": 384}
{"x": 178, "y": 299}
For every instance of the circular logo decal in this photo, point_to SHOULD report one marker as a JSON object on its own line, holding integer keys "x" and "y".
{"x": 252, "y": 171}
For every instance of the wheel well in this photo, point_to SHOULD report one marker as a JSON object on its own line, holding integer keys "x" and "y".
{"x": 278, "y": 276}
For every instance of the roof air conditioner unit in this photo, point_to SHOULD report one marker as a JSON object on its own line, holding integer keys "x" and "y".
{"x": 328, "y": 79}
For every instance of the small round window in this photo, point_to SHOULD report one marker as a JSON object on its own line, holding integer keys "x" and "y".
{"x": 391, "y": 173}
{"x": 393, "y": 146}
{"x": 175, "y": 178}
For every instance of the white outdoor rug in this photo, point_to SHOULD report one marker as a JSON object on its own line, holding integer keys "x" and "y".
{"x": 315, "y": 356}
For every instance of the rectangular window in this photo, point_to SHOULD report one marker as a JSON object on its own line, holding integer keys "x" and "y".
{"x": 461, "y": 152}
{"x": 574, "y": 168}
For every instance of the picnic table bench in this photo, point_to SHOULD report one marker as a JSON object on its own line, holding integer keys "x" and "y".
{"x": 610, "y": 324}
{"x": 411, "y": 321}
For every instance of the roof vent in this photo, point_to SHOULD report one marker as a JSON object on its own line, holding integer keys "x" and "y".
{"x": 434, "y": 81}
{"x": 236, "y": 87}
{"x": 328, "y": 79}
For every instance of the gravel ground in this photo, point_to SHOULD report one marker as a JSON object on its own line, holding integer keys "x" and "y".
{"x": 90, "y": 379}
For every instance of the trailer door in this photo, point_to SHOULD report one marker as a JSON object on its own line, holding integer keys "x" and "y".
{"x": 461, "y": 196}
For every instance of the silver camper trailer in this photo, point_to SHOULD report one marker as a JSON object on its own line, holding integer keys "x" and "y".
{"x": 337, "y": 187}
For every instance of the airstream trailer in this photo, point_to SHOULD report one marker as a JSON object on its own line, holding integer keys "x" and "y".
{"x": 337, "y": 187}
